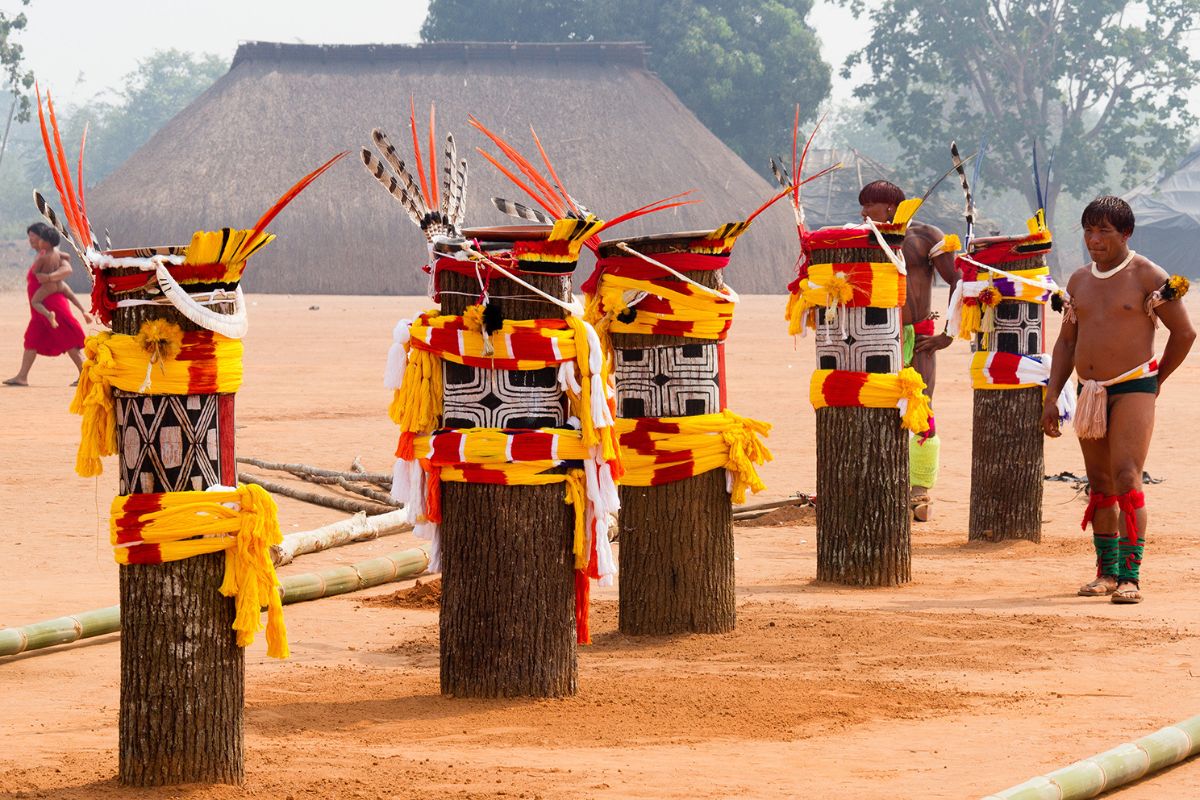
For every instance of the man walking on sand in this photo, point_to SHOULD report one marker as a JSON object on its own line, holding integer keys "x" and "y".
{"x": 1111, "y": 309}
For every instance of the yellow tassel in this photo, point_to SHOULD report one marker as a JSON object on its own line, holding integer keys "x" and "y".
{"x": 576, "y": 496}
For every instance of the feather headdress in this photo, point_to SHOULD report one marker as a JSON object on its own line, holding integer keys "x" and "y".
{"x": 550, "y": 193}
{"x": 436, "y": 210}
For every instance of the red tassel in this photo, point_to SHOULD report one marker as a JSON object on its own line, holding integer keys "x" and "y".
{"x": 1096, "y": 500}
{"x": 583, "y": 590}
{"x": 433, "y": 494}
{"x": 1130, "y": 502}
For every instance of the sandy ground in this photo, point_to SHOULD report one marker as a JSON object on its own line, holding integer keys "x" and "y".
{"x": 985, "y": 670}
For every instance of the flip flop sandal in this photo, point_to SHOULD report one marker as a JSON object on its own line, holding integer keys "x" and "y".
{"x": 922, "y": 511}
{"x": 1127, "y": 597}
{"x": 1096, "y": 588}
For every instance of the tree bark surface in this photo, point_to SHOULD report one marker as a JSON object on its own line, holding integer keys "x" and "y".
{"x": 507, "y": 624}
{"x": 676, "y": 540}
{"x": 182, "y": 673}
{"x": 863, "y": 521}
{"x": 1007, "y": 465}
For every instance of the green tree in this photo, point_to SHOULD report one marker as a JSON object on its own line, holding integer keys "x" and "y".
{"x": 739, "y": 65}
{"x": 17, "y": 81}
{"x": 118, "y": 124}
{"x": 1091, "y": 81}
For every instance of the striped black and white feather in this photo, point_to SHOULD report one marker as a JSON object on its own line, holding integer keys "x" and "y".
{"x": 411, "y": 202}
{"x": 384, "y": 145}
{"x": 515, "y": 209}
{"x": 781, "y": 174}
{"x": 969, "y": 207}
{"x": 48, "y": 214}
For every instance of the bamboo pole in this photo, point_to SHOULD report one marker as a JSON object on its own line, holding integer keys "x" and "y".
{"x": 1113, "y": 768}
{"x": 379, "y": 478}
{"x": 398, "y": 566}
{"x": 328, "y": 501}
{"x": 358, "y": 528}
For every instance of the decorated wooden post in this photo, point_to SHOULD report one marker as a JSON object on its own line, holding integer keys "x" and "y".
{"x": 662, "y": 302}
{"x": 507, "y": 456}
{"x": 1001, "y": 307}
{"x": 194, "y": 548}
{"x": 850, "y": 290}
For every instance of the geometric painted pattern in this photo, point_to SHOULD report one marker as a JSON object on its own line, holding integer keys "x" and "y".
{"x": 673, "y": 381}
{"x": 1019, "y": 328}
{"x": 500, "y": 398}
{"x": 168, "y": 443}
{"x": 863, "y": 339}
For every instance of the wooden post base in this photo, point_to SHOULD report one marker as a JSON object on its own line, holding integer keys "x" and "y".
{"x": 182, "y": 676}
{"x": 676, "y": 557}
{"x": 1007, "y": 467}
{"x": 863, "y": 520}
{"x": 507, "y": 625}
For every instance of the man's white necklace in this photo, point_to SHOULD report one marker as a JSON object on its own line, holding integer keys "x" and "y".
{"x": 1106, "y": 275}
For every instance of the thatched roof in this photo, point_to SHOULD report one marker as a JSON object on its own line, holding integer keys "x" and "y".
{"x": 618, "y": 136}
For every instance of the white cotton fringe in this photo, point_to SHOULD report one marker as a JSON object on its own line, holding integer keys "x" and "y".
{"x": 397, "y": 358}
{"x": 954, "y": 310}
{"x": 408, "y": 487}
{"x": 603, "y": 502}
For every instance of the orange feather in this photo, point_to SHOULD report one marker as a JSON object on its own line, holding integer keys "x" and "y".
{"x": 54, "y": 173}
{"x": 248, "y": 244}
{"x": 412, "y": 124}
{"x": 556, "y": 211}
{"x": 549, "y": 195}
{"x": 79, "y": 172}
{"x": 83, "y": 233}
{"x": 550, "y": 169}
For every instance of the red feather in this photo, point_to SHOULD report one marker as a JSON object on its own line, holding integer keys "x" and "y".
{"x": 795, "y": 166}
{"x": 786, "y": 191}
{"x": 520, "y": 184}
{"x": 281, "y": 204}
{"x": 546, "y": 196}
{"x": 412, "y": 124}
{"x": 550, "y": 168}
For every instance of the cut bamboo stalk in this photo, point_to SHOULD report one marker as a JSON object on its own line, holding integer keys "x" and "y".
{"x": 380, "y": 478}
{"x": 1113, "y": 768}
{"x": 398, "y": 566}
{"x": 358, "y": 528}
{"x": 328, "y": 501}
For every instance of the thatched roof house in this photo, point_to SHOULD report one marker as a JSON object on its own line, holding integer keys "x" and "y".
{"x": 618, "y": 136}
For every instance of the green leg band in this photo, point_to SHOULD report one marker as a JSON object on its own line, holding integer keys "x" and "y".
{"x": 1108, "y": 553}
{"x": 1131, "y": 559}
{"x": 908, "y": 344}
{"x": 923, "y": 460}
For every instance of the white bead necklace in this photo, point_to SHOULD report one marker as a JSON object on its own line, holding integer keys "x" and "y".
{"x": 1106, "y": 275}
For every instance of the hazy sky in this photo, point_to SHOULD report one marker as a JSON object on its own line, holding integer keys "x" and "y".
{"x": 81, "y": 47}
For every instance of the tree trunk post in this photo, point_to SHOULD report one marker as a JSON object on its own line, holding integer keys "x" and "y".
{"x": 863, "y": 519}
{"x": 182, "y": 672}
{"x": 676, "y": 539}
{"x": 1007, "y": 465}
{"x": 507, "y": 623}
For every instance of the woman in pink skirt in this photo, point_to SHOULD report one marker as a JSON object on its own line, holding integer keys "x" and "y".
{"x": 42, "y": 338}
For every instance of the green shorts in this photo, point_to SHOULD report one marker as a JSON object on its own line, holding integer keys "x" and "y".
{"x": 1148, "y": 384}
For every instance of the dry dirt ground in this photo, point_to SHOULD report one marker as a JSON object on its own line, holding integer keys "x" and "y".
{"x": 985, "y": 670}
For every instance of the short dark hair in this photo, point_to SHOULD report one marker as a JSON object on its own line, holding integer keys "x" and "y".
{"x": 881, "y": 192}
{"x": 45, "y": 233}
{"x": 1109, "y": 209}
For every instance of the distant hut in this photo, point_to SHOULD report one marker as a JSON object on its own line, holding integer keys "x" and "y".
{"x": 618, "y": 137}
{"x": 1168, "y": 217}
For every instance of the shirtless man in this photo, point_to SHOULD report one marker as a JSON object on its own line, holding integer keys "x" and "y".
{"x": 921, "y": 343}
{"x": 1107, "y": 337}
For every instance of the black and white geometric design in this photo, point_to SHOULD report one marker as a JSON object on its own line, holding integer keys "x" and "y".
{"x": 676, "y": 381}
{"x": 1018, "y": 328}
{"x": 168, "y": 443}
{"x": 871, "y": 342}
{"x": 500, "y": 398}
